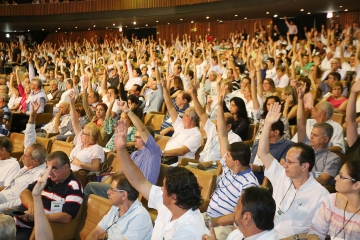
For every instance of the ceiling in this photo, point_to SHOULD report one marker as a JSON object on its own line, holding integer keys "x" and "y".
{"x": 224, "y": 10}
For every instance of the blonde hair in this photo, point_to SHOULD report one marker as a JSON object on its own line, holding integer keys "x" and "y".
{"x": 7, "y": 227}
{"x": 94, "y": 130}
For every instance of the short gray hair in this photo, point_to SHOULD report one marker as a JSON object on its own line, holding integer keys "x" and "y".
{"x": 5, "y": 97}
{"x": 38, "y": 82}
{"x": 193, "y": 115}
{"x": 328, "y": 129}
{"x": 39, "y": 152}
{"x": 328, "y": 108}
{"x": 54, "y": 81}
{"x": 7, "y": 227}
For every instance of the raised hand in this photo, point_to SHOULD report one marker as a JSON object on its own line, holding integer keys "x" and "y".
{"x": 356, "y": 87}
{"x": 72, "y": 97}
{"x": 120, "y": 135}
{"x": 274, "y": 113}
{"x": 41, "y": 183}
{"x": 35, "y": 107}
{"x": 123, "y": 106}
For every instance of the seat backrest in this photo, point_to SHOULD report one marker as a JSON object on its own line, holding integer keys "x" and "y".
{"x": 161, "y": 140}
{"x": 163, "y": 168}
{"x": 48, "y": 108}
{"x": 206, "y": 180}
{"x": 46, "y": 142}
{"x": 251, "y": 132}
{"x": 96, "y": 208}
{"x": 163, "y": 108}
{"x": 338, "y": 117}
{"x": 17, "y": 141}
{"x": 62, "y": 146}
{"x": 154, "y": 120}
{"x": 293, "y": 130}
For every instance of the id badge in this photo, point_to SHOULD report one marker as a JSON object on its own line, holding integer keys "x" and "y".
{"x": 56, "y": 206}
{"x": 49, "y": 96}
{"x": 147, "y": 103}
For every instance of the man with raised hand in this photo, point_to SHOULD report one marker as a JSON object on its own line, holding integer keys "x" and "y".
{"x": 297, "y": 194}
{"x": 177, "y": 202}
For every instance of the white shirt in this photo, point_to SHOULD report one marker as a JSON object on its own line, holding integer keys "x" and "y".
{"x": 181, "y": 137}
{"x": 65, "y": 97}
{"x": 190, "y": 226}
{"x": 13, "y": 101}
{"x": 85, "y": 155}
{"x": 292, "y": 28}
{"x": 271, "y": 73}
{"x": 336, "y": 140}
{"x": 9, "y": 168}
{"x": 211, "y": 150}
{"x": 115, "y": 107}
{"x": 265, "y": 235}
{"x": 132, "y": 80}
{"x": 281, "y": 82}
{"x": 295, "y": 207}
{"x": 200, "y": 70}
{"x": 326, "y": 64}
{"x": 346, "y": 66}
{"x": 50, "y": 127}
{"x": 341, "y": 71}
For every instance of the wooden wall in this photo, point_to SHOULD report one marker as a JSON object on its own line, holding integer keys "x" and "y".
{"x": 90, "y": 6}
{"x": 73, "y": 36}
{"x": 217, "y": 30}
{"x": 346, "y": 18}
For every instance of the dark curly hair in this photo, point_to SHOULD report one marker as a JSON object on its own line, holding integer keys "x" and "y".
{"x": 183, "y": 183}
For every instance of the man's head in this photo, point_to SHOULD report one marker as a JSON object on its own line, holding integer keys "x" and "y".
{"x": 321, "y": 134}
{"x": 60, "y": 164}
{"x": 177, "y": 69}
{"x": 270, "y": 62}
{"x": 181, "y": 188}
{"x": 332, "y": 77}
{"x": 5, "y": 148}
{"x": 138, "y": 142}
{"x": 4, "y": 99}
{"x": 322, "y": 112}
{"x": 69, "y": 83}
{"x": 230, "y": 74}
{"x": 276, "y": 132}
{"x": 255, "y": 210}
{"x": 133, "y": 101}
{"x": 64, "y": 108}
{"x": 121, "y": 191}
{"x": 4, "y": 89}
{"x": 93, "y": 97}
{"x": 182, "y": 99}
{"x": 229, "y": 121}
{"x": 36, "y": 84}
{"x": 190, "y": 118}
{"x": 136, "y": 72}
{"x": 53, "y": 85}
{"x": 34, "y": 155}
{"x": 335, "y": 64}
{"x": 300, "y": 159}
{"x": 238, "y": 154}
{"x": 305, "y": 59}
{"x": 3, "y": 80}
{"x": 135, "y": 90}
{"x": 112, "y": 91}
{"x": 60, "y": 77}
{"x": 7, "y": 227}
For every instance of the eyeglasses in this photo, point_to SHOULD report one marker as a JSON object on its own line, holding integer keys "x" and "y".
{"x": 56, "y": 169}
{"x": 137, "y": 137}
{"x": 342, "y": 177}
{"x": 86, "y": 134}
{"x": 113, "y": 190}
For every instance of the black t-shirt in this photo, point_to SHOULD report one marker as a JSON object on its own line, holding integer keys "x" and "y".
{"x": 354, "y": 151}
{"x": 114, "y": 82}
{"x": 15, "y": 53}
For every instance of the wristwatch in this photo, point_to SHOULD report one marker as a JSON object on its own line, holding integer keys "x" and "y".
{"x": 296, "y": 237}
{"x": 162, "y": 153}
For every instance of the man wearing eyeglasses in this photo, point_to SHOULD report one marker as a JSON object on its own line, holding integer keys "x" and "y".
{"x": 296, "y": 193}
{"x": 127, "y": 218}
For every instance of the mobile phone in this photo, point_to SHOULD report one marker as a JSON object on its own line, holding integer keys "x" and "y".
{"x": 13, "y": 212}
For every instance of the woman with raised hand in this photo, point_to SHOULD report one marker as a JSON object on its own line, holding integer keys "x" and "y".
{"x": 86, "y": 154}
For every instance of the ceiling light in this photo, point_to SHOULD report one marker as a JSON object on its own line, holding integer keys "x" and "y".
{"x": 120, "y": 29}
{"x": 345, "y": 10}
{"x": 192, "y": 21}
{"x": 146, "y": 25}
{"x": 56, "y": 31}
{"x": 15, "y": 30}
{"x": 181, "y": 19}
{"x": 245, "y": 17}
{"x": 329, "y": 15}
{"x": 134, "y": 22}
{"x": 340, "y": 6}
{"x": 275, "y": 15}
{"x": 113, "y": 24}
{"x": 157, "y": 21}
{"x": 89, "y": 29}
{"x": 28, "y": 30}
{"x": 75, "y": 27}
{"x": 301, "y": 10}
{"x": 125, "y": 26}
{"x": 236, "y": 15}
{"x": 267, "y": 12}
{"x": 107, "y": 27}
{"x": 94, "y": 25}
{"x": 207, "y": 17}
{"x": 7, "y": 35}
{"x": 309, "y": 12}
{"x": 168, "y": 23}
{"x": 59, "y": 28}
{"x": 42, "y": 29}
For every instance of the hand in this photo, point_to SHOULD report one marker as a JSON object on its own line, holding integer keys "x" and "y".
{"x": 209, "y": 100}
{"x": 301, "y": 91}
{"x": 164, "y": 131}
{"x": 356, "y": 87}
{"x": 218, "y": 79}
{"x": 274, "y": 113}
{"x": 255, "y": 168}
{"x": 212, "y": 233}
{"x": 72, "y": 97}
{"x": 192, "y": 89}
{"x": 289, "y": 99}
{"x": 112, "y": 99}
{"x": 76, "y": 162}
{"x": 35, "y": 107}
{"x": 40, "y": 185}
{"x": 123, "y": 106}
{"x": 316, "y": 61}
{"x": 120, "y": 135}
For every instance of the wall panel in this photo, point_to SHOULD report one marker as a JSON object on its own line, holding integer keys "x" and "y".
{"x": 346, "y": 18}
{"x": 90, "y": 6}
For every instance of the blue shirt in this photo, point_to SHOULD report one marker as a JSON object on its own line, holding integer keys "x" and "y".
{"x": 167, "y": 121}
{"x": 148, "y": 159}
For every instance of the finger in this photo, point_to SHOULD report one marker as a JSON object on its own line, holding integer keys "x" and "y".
{"x": 46, "y": 174}
{"x": 212, "y": 231}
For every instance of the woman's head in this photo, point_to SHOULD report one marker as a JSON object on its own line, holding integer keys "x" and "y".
{"x": 101, "y": 109}
{"x": 237, "y": 107}
{"x": 268, "y": 85}
{"x": 79, "y": 108}
{"x": 126, "y": 118}
{"x": 304, "y": 80}
{"x": 27, "y": 88}
{"x": 336, "y": 88}
{"x": 247, "y": 91}
{"x": 348, "y": 179}
{"x": 267, "y": 104}
{"x": 90, "y": 133}
{"x": 178, "y": 84}
{"x": 15, "y": 91}
{"x": 290, "y": 91}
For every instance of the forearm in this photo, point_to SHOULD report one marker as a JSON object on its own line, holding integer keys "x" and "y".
{"x": 42, "y": 227}
{"x": 175, "y": 152}
{"x": 302, "y": 236}
{"x": 301, "y": 121}
{"x": 27, "y": 199}
{"x": 89, "y": 167}
{"x": 223, "y": 220}
{"x": 57, "y": 123}
{"x": 60, "y": 217}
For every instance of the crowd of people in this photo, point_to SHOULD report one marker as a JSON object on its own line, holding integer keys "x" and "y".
{"x": 101, "y": 91}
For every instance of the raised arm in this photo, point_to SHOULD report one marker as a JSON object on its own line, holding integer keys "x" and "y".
{"x": 198, "y": 108}
{"x": 167, "y": 98}
{"x": 73, "y": 114}
{"x": 301, "y": 118}
{"x": 351, "y": 125}
{"x": 264, "y": 146}
{"x": 221, "y": 125}
{"x": 131, "y": 171}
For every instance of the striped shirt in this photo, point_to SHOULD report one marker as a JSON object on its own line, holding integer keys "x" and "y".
{"x": 167, "y": 121}
{"x": 69, "y": 192}
{"x": 229, "y": 189}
